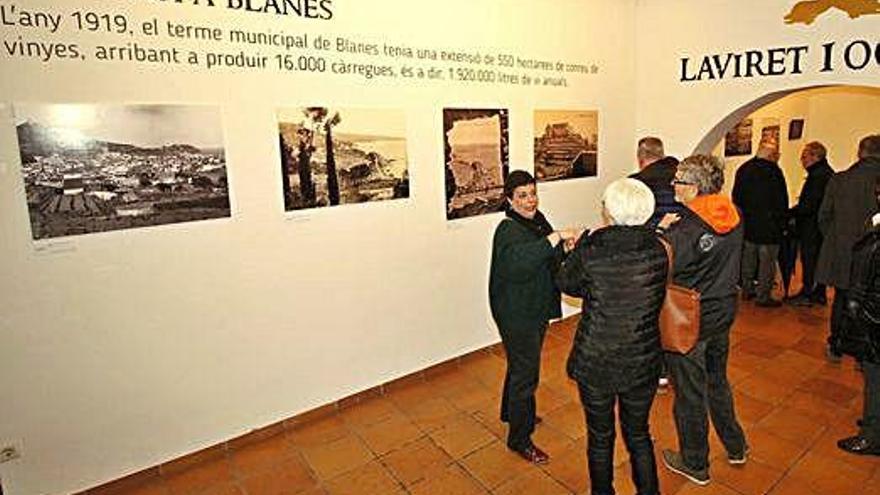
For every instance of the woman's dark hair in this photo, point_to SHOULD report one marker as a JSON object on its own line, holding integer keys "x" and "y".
{"x": 516, "y": 179}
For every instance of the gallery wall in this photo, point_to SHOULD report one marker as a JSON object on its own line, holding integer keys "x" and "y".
{"x": 123, "y": 349}
{"x": 694, "y": 71}
{"x": 836, "y": 116}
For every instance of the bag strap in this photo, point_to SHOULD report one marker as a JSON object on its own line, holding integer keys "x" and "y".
{"x": 670, "y": 256}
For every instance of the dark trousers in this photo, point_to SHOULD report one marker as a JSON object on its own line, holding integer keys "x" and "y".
{"x": 871, "y": 412}
{"x": 759, "y": 269}
{"x": 523, "y": 348}
{"x": 810, "y": 246}
{"x": 634, "y": 406}
{"x": 700, "y": 381}
{"x": 838, "y": 320}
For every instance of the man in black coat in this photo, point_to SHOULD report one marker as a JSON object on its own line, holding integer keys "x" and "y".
{"x": 760, "y": 193}
{"x": 848, "y": 205}
{"x": 657, "y": 170}
{"x": 806, "y": 215}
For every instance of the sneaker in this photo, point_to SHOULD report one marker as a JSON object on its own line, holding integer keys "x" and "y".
{"x": 675, "y": 463}
{"x": 737, "y": 459}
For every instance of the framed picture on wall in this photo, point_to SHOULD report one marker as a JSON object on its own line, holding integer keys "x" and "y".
{"x": 338, "y": 156}
{"x": 476, "y": 160}
{"x": 795, "y": 129}
{"x": 566, "y": 144}
{"x": 738, "y": 141}
{"x": 770, "y": 135}
{"x": 91, "y": 168}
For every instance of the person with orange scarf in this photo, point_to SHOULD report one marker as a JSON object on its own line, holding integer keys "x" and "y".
{"x": 707, "y": 239}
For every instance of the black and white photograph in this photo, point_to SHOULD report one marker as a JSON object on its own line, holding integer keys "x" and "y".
{"x": 476, "y": 160}
{"x": 91, "y": 168}
{"x": 738, "y": 141}
{"x": 566, "y": 144}
{"x": 795, "y": 129}
{"x": 341, "y": 156}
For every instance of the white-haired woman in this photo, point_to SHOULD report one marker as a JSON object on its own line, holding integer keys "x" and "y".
{"x": 620, "y": 272}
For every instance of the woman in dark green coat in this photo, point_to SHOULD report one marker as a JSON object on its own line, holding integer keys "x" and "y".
{"x": 526, "y": 252}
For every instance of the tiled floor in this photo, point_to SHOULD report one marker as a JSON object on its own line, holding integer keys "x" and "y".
{"x": 441, "y": 435}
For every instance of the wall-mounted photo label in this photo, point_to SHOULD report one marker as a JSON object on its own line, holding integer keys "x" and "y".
{"x": 566, "y": 144}
{"x": 99, "y": 167}
{"x": 738, "y": 141}
{"x": 336, "y": 156}
{"x": 476, "y": 160}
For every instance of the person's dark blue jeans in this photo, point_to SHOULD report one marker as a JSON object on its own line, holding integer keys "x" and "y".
{"x": 634, "y": 406}
{"x": 700, "y": 381}
{"x": 871, "y": 412}
{"x": 523, "y": 348}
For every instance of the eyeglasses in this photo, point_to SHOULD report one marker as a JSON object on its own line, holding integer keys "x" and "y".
{"x": 677, "y": 182}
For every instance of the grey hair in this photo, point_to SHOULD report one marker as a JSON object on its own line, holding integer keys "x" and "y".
{"x": 704, "y": 171}
{"x": 628, "y": 202}
{"x": 650, "y": 148}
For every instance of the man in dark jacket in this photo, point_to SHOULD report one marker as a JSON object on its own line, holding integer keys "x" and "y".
{"x": 707, "y": 245}
{"x": 759, "y": 191}
{"x": 848, "y": 205}
{"x": 863, "y": 308}
{"x": 657, "y": 170}
{"x": 806, "y": 215}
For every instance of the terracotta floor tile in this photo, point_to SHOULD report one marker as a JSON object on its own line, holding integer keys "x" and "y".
{"x": 461, "y": 435}
{"x": 551, "y": 440}
{"x": 416, "y": 461}
{"x": 749, "y": 410}
{"x": 157, "y": 487}
{"x": 410, "y": 394}
{"x": 792, "y": 425}
{"x": 452, "y": 480}
{"x": 829, "y": 476}
{"x": 713, "y": 488}
{"x": 568, "y": 419}
{"x": 493, "y": 464}
{"x": 471, "y": 394}
{"x": 431, "y": 414}
{"x": 369, "y": 479}
{"x": 548, "y": 400}
{"x": 319, "y": 432}
{"x": 826, "y": 445}
{"x": 760, "y": 387}
{"x": 759, "y": 347}
{"x": 199, "y": 477}
{"x": 371, "y": 411}
{"x": 228, "y": 488}
{"x": 792, "y": 486}
{"x": 290, "y": 477}
{"x": 334, "y": 458}
{"x": 773, "y": 450}
{"x": 752, "y": 478}
{"x": 488, "y": 416}
{"x": 261, "y": 454}
{"x": 569, "y": 467}
{"x": 829, "y": 390}
{"x": 530, "y": 483}
{"x": 389, "y": 435}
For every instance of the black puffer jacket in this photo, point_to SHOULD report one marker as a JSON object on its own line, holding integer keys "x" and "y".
{"x": 620, "y": 272}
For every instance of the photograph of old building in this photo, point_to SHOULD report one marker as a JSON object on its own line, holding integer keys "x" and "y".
{"x": 738, "y": 140}
{"x": 97, "y": 168}
{"x": 341, "y": 156}
{"x": 566, "y": 144}
{"x": 476, "y": 161}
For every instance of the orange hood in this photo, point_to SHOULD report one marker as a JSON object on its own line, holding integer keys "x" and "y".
{"x": 716, "y": 210}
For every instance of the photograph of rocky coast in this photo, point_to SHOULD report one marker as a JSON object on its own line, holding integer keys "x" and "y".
{"x": 341, "y": 156}
{"x": 566, "y": 144}
{"x": 476, "y": 161}
{"x": 97, "y": 168}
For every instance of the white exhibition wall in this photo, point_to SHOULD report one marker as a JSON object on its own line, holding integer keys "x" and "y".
{"x": 125, "y": 349}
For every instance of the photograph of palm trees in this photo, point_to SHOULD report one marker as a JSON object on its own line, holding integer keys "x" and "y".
{"x": 476, "y": 160}
{"x": 341, "y": 156}
{"x": 100, "y": 167}
{"x": 566, "y": 144}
